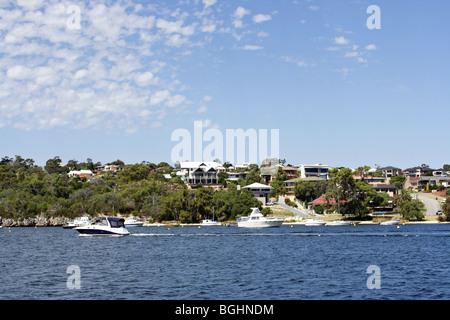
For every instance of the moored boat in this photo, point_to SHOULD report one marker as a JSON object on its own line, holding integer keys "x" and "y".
{"x": 132, "y": 222}
{"x": 337, "y": 223}
{"x": 314, "y": 222}
{"x": 257, "y": 220}
{"x": 77, "y": 222}
{"x": 210, "y": 223}
{"x": 390, "y": 223}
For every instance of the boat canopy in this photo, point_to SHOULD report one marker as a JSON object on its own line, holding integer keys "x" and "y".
{"x": 116, "y": 222}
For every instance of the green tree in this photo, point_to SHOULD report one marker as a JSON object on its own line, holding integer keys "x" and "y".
{"x": 136, "y": 172}
{"x": 307, "y": 191}
{"x": 54, "y": 166}
{"x": 253, "y": 176}
{"x": 413, "y": 210}
{"x": 397, "y": 181}
{"x": 446, "y": 210}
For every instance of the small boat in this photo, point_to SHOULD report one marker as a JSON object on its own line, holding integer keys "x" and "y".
{"x": 390, "y": 223}
{"x": 257, "y": 220}
{"x": 337, "y": 223}
{"x": 132, "y": 222}
{"x": 210, "y": 223}
{"x": 104, "y": 226}
{"x": 314, "y": 222}
{"x": 77, "y": 222}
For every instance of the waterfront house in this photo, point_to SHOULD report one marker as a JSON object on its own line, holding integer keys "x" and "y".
{"x": 194, "y": 173}
{"x": 390, "y": 189}
{"x": 260, "y": 191}
{"x": 314, "y": 170}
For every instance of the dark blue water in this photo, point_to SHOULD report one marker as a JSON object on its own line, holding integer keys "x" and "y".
{"x": 221, "y": 263}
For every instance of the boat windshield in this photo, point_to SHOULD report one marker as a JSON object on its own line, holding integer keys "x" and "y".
{"x": 116, "y": 223}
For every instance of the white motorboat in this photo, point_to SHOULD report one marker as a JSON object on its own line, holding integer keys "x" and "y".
{"x": 257, "y": 220}
{"x": 337, "y": 223}
{"x": 210, "y": 223}
{"x": 314, "y": 222}
{"x": 105, "y": 226}
{"x": 77, "y": 222}
{"x": 390, "y": 223}
{"x": 132, "y": 222}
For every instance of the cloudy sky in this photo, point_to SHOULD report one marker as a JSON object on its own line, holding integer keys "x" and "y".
{"x": 113, "y": 79}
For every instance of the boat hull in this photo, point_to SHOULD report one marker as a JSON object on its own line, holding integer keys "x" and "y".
{"x": 260, "y": 224}
{"x": 315, "y": 223}
{"x": 389, "y": 223}
{"x": 131, "y": 225}
{"x": 337, "y": 224}
{"x": 87, "y": 231}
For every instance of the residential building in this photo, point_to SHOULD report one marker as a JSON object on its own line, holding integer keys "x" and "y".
{"x": 204, "y": 173}
{"x": 314, "y": 170}
{"x": 390, "y": 171}
{"x": 292, "y": 173}
{"x": 439, "y": 181}
{"x": 235, "y": 176}
{"x": 290, "y": 184}
{"x": 110, "y": 168}
{"x": 384, "y": 188}
{"x": 268, "y": 172}
{"x": 416, "y": 172}
{"x": 260, "y": 191}
{"x": 81, "y": 173}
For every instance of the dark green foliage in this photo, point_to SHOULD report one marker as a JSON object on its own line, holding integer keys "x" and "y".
{"x": 27, "y": 191}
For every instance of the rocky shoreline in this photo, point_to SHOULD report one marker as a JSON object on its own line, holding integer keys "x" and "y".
{"x": 39, "y": 221}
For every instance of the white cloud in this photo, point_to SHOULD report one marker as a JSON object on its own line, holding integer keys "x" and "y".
{"x": 313, "y": 8}
{"x": 261, "y": 18}
{"x": 239, "y": 15}
{"x": 145, "y": 79}
{"x": 209, "y": 3}
{"x": 351, "y": 54}
{"x": 175, "y": 27}
{"x": 252, "y": 47}
{"x": 241, "y": 12}
{"x": 207, "y": 98}
{"x": 341, "y": 40}
{"x": 30, "y": 4}
{"x": 175, "y": 100}
{"x": 371, "y": 47}
{"x": 159, "y": 97}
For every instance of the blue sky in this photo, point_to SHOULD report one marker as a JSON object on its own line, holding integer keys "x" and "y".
{"x": 135, "y": 71}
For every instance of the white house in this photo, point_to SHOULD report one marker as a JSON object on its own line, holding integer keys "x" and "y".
{"x": 314, "y": 170}
{"x": 80, "y": 173}
{"x": 260, "y": 191}
{"x": 193, "y": 173}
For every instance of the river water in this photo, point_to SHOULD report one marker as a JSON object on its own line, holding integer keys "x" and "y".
{"x": 228, "y": 263}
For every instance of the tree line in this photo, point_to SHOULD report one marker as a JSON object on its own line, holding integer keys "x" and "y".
{"x": 28, "y": 190}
